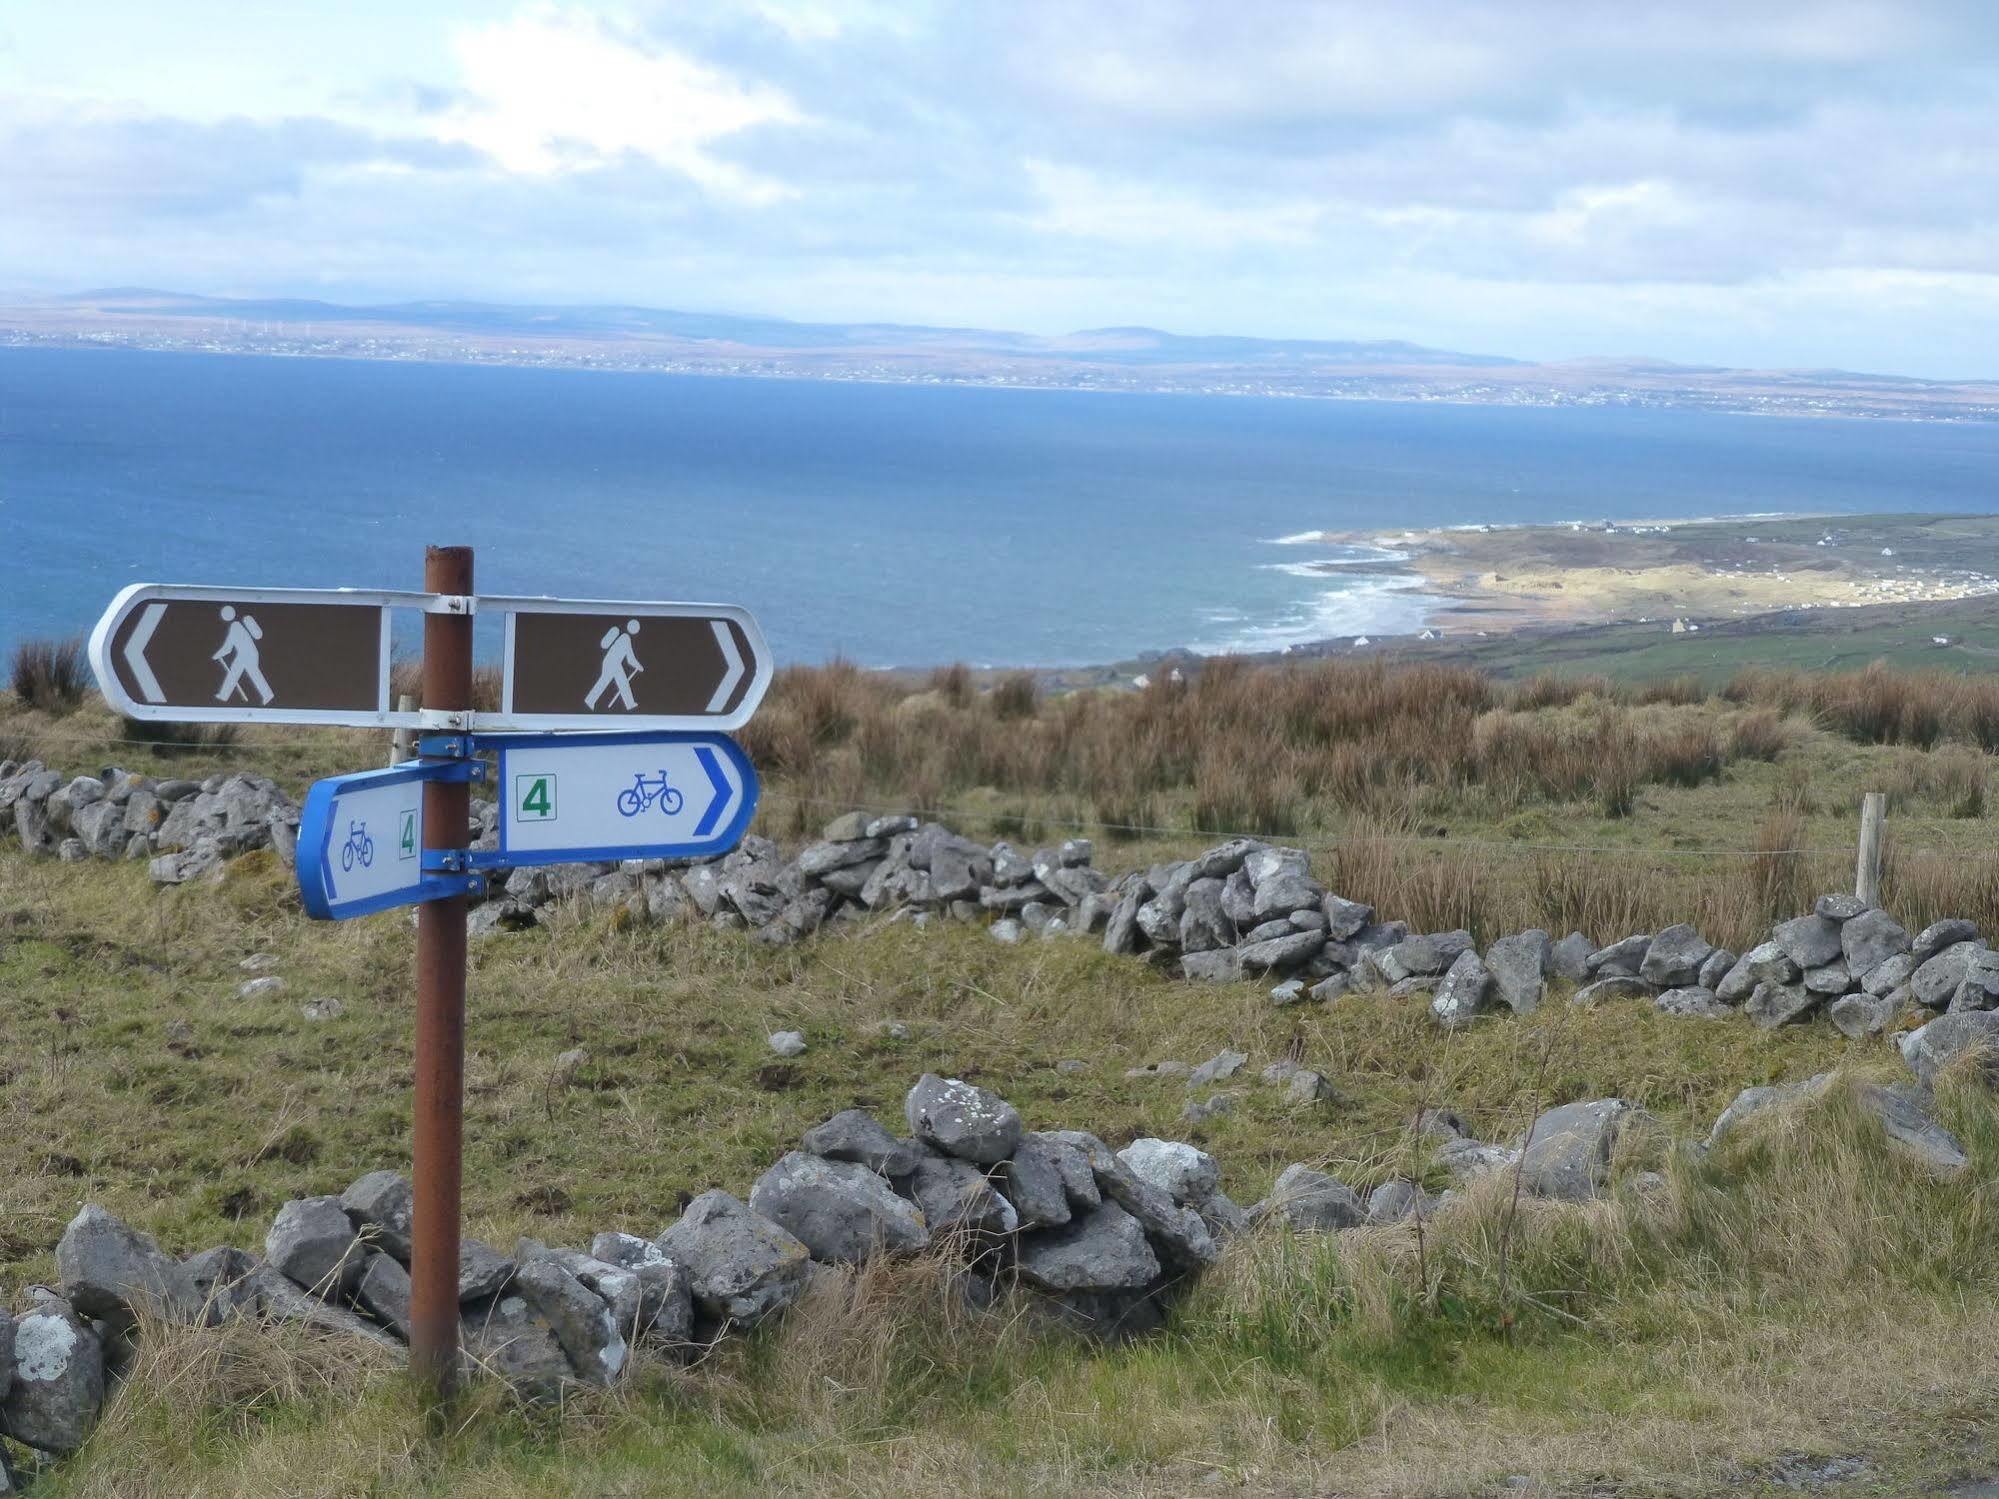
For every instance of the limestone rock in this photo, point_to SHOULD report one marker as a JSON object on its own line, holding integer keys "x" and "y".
{"x": 1313, "y": 1201}
{"x": 1840, "y": 908}
{"x": 855, "y": 1135}
{"x": 312, "y": 1242}
{"x": 956, "y": 1197}
{"x": 504, "y": 1337}
{"x": 1519, "y": 967}
{"x": 741, "y": 1266}
{"x": 382, "y": 1210}
{"x": 1935, "y": 983}
{"x": 1568, "y": 959}
{"x": 383, "y": 1291}
{"x": 1716, "y": 968}
{"x": 1939, "y": 935}
{"x": 1187, "y": 1175}
{"x": 962, "y": 1119}
{"x": 1859, "y": 1015}
{"x": 1674, "y": 957}
{"x": 1219, "y": 1068}
{"x": 1276, "y": 954}
{"x": 1766, "y": 963}
{"x": 1809, "y": 941}
{"x": 1693, "y": 1000}
{"x": 665, "y": 1302}
{"x": 1567, "y": 1153}
{"x": 581, "y": 1320}
{"x": 1035, "y": 1180}
{"x": 1221, "y": 965}
{"x": 1620, "y": 959}
{"x": 1345, "y": 919}
{"x": 58, "y": 1377}
{"x": 1615, "y": 986}
{"x": 1870, "y": 939}
{"x": 1462, "y": 994}
{"x": 1103, "y": 1249}
{"x": 1931, "y": 1048}
{"x": 482, "y": 1270}
{"x": 841, "y": 1211}
{"x": 1772, "y": 1005}
{"x": 112, "y": 1272}
{"x": 1980, "y": 988}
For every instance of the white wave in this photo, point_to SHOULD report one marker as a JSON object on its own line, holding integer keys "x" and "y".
{"x": 1364, "y": 606}
{"x": 1296, "y": 539}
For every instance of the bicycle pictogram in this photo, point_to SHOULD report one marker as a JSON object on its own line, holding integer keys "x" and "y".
{"x": 358, "y": 846}
{"x": 646, "y": 792}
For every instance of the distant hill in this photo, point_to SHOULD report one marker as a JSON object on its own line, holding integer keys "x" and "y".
{"x": 1115, "y": 345}
{"x": 1123, "y": 358}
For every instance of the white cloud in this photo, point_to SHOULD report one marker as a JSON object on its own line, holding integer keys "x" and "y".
{"x": 1082, "y": 204}
{"x": 557, "y": 90}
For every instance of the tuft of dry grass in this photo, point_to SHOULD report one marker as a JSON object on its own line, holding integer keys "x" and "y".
{"x": 51, "y": 675}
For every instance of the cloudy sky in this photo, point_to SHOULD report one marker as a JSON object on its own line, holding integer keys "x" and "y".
{"x": 1755, "y": 182}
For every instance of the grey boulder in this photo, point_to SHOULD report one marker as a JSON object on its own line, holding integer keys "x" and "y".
{"x": 741, "y": 1266}
{"x": 956, "y": 1197}
{"x": 856, "y": 1135}
{"x": 58, "y": 1377}
{"x": 1567, "y": 1154}
{"x": 1674, "y": 957}
{"x": 313, "y": 1243}
{"x": 962, "y": 1119}
{"x": 1939, "y": 935}
{"x": 1973, "y": 1033}
{"x": 1935, "y": 983}
{"x": 383, "y": 1291}
{"x": 1462, "y": 994}
{"x": 382, "y": 1210}
{"x": 505, "y": 1337}
{"x": 1187, "y": 1175}
{"x": 841, "y": 1211}
{"x": 1519, "y": 968}
{"x": 111, "y": 1272}
{"x": 1693, "y": 1000}
{"x": 1104, "y": 1249}
{"x": 1871, "y": 939}
{"x": 582, "y": 1321}
{"x": 1772, "y": 1005}
{"x": 1809, "y": 941}
{"x": 666, "y": 1304}
{"x": 1311, "y": 1200}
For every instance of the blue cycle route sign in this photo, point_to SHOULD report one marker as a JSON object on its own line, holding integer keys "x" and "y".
{"x": 577, "y": 798}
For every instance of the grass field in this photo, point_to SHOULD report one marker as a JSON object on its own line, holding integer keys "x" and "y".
{"x": 1801, "y": 1295}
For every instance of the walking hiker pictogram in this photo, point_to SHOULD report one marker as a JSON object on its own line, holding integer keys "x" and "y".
{"x": 239, "y": 655}
{"x": 621, "y": 664}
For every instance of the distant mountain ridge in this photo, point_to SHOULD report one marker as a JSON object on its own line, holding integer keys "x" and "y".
{"x": 1130, "y": 358}
{"x": 1125, "y": 345}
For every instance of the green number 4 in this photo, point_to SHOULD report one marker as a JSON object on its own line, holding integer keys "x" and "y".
{"x": 406, "y": 839}
{"x": 535, "y": 797}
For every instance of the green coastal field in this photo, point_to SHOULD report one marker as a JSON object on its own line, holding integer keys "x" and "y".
{"x": 1804, "y": 1308}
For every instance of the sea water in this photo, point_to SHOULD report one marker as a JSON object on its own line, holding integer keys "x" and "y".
{"x": 887, "y": 523}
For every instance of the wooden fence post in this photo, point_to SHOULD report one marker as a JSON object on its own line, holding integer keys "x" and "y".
{"x": 1867, "y": 874}
{"x": 399, "y": 743}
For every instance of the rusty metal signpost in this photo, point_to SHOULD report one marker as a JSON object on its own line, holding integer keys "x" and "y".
{"x": 619, "y": 702}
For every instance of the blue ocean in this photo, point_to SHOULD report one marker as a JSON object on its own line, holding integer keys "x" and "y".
{"x": 890, "y": 524}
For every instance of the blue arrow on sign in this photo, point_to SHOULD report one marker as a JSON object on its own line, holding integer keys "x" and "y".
{"x": 594, "y": 798}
